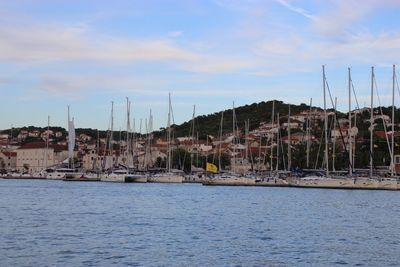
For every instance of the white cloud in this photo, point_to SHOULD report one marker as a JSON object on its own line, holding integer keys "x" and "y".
{"x": 41, "y": 43}
{"x": 295, "y": 9}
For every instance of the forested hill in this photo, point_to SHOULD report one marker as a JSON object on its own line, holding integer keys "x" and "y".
{"x": 210, "y": 124}
{"x": 255, "y": 113}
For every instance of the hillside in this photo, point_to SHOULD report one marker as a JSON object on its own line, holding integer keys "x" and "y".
{"x": 210, "y": 124}
{"x": 255, "y": 113}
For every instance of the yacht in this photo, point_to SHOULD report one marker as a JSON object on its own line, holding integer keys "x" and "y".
{"x": 63, "y": 173}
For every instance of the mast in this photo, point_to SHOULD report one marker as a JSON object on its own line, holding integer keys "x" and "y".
{"x": 98, "y": 149}
{"x": 47, "y": 141}
{"x": 69, "y": 141}
{"x": 325, "y": 122}
{"x": 289, "y": 145}
{"x": 197, "y": 149}
{"x": 146, "y": 142}
{"x": 272, "y": 139}
{"x": 233, "y": 164}
{"x": 334, "y": 139}
{"x": 355, "y": 143}
{"x": 150, "y": 142}
{"x": 308, "y": 134}
{"x": 192, "y": 137}
{"x": 220, "y": 140}
{"x": 392, "y": 148}
{"x": 110, "y": 145}
{"x": 120, "y": 145}
{"x": 246, "y": 123}
{"x": 277, "y": 143}
{"x": 169, "y": 133}
{"x": 350, "y": 130}
{"x": 371, "y": 145}
{"x": 128, "y": 126}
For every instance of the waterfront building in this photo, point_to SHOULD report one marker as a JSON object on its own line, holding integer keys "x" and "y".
{"x": 31, "y": 157}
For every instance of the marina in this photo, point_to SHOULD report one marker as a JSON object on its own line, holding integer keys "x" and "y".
{"x": 199, "y": 133}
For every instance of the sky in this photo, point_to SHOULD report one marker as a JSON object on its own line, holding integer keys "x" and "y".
{"x": 209, "y": 53}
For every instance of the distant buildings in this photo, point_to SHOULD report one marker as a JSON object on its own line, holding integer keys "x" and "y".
{"x": 34, "y": 157}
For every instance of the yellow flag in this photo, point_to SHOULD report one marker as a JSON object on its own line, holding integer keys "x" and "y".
{"x": 211, "y": 168}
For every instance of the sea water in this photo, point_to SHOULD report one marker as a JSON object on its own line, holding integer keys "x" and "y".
{"x": 56, "y": 223}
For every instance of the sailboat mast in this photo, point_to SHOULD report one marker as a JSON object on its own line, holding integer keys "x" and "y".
{"x": 128, "y": 126}
{"x": 192, "y": 137}
{"x": 371, "y": 145}
{"x": 272, "y": 137}
{"x": 392, "y": 148}
{"x": 334, "y": 139}
{"x": 308, "y": 135}
{"x": 277, "y": 142}
{"x": 169, "y": 133}
{"x": 220, "y": 140}
{"x": 246, "y": 130}
{"x": 98, "y": 148}
{"x": 47, "y": 141}
{"x": 350, "y": 130}
{"x": 289, "y": 145}
{"x": 233, "y": 139}
{"x": 111, "y": 134}
{"x": 150, "y": 138}
{"x": 69, "y": 141}
{"x": 326, "y": 122}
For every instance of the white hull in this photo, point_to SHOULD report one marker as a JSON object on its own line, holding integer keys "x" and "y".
{"x": 165, "y": 178}
{"x": 231, "y": 180}
{"x": 347, "y": 183}
{"x": 55, "y": 176}
{"x": 112, "y": 177}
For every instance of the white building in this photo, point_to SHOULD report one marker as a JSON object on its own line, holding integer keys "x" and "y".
{"x": 34, "y": 157}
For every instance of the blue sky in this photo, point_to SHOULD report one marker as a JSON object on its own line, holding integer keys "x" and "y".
{"x": 209, "y": 53}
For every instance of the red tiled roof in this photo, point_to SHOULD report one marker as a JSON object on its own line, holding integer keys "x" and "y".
{"x": 36, "y": 145}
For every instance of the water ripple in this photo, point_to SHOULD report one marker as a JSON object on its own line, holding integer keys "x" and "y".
{"x": 52, "y": 223}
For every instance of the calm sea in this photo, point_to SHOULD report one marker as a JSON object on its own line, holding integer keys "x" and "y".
{"x": 55, "y": 223}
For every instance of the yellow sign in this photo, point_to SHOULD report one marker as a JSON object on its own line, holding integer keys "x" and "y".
{"x": 211, "y": 168}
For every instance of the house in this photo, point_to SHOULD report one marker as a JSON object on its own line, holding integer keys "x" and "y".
{"x": 297, "y": 138}
{"x": 23, "y": 134}
{"x": 343, "y": 132}
{"x": 34, "y": 134}
{"x": 294, "y": 124}
{"x": 84, "y": 137}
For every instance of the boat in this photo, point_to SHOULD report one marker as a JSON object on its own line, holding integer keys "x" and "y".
{"x": 169, "y": 175}
{"x": 63, "y": 173}
{"x": 173, "y": 176}
{"x": 117, "y": 175}
{"x": 85, "y": 177}
{"x": 24, "y": 175}
{"x": 136, "y": 177}
{"x": 228, "y": 179}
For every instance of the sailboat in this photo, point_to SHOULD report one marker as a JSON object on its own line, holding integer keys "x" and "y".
{"x": 69, "y": 172}
{"x": 170, "y": 175}
{"x": 351, "y": 181}
{"x": 231, "y": 178}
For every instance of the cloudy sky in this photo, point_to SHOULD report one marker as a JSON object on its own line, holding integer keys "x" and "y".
{"x": 210, "y": 53}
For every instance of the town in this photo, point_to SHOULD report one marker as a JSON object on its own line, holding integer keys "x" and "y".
{"x": 292, "y": 141}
